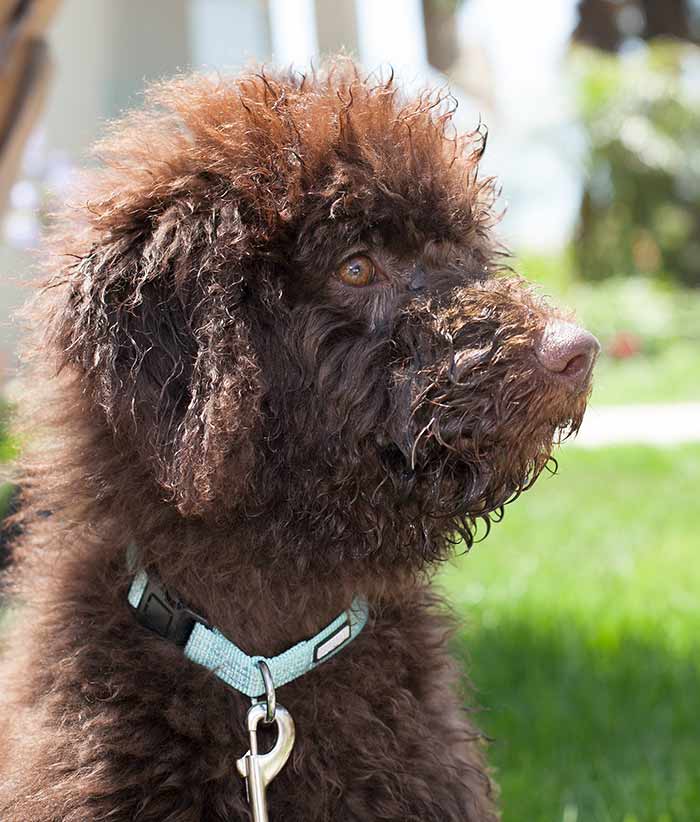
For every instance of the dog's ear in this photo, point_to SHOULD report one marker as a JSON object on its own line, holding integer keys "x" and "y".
{"x": 156, "y": 316}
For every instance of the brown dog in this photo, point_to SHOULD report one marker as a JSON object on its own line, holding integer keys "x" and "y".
{"x": 284, "y": 362}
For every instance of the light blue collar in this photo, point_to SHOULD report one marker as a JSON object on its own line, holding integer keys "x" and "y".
{"x": 158, "y": 610}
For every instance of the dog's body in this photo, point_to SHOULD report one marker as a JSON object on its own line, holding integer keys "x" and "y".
{"x": 284, "y": 369}
{"x": 127, "y": 729}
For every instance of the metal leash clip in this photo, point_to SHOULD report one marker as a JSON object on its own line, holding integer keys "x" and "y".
{"x": 257, "y": 769}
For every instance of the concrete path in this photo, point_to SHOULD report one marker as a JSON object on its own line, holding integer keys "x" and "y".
{"x": 667, "y": 424}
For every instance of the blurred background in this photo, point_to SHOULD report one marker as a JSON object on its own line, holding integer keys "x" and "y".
{"x": 581, "y": 611}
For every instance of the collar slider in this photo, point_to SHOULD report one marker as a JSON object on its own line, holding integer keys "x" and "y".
{"x": 163, "y": 613}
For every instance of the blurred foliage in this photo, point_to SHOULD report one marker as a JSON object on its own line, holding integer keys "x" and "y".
{"x": 669, "y": 375}
{"x": 610, "y": 25}
{"x": 648, "y": 328}
{"x": 445, "y": 6}
{"x": 641, "y": 206}
{"x": 8, "y": 451}
{"x": 7, "y": 492}
{"x": 8, "y": 447}
{"x": 649, "y": 309}
{"x": 654, "y": 310}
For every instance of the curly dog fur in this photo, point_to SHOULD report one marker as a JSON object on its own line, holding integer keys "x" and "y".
{"x": 275, "y": 438}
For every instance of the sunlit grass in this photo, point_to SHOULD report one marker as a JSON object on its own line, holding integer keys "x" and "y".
{"x": 583, "y": 638}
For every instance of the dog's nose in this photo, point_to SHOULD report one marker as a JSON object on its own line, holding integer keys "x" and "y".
{"x": 568, "y": 350}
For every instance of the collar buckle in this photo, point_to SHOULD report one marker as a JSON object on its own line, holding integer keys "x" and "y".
{"x": 164, "y": 614}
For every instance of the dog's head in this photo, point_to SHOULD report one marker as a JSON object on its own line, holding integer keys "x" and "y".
{"x": 284, "y": 296}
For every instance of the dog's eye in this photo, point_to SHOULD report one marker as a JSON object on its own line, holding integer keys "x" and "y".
{"x": 358, "y": 270}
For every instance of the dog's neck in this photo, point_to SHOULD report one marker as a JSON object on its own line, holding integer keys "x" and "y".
{"x": 266, "y": 580}
{"x": 263, "y": 608}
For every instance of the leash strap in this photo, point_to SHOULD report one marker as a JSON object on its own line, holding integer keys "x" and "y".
{"x": 205, "y": 645}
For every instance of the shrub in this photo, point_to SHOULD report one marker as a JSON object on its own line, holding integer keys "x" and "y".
{"x": 641, "y": 206}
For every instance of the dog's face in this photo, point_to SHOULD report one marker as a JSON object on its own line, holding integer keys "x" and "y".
{"x": 287, "y": 299}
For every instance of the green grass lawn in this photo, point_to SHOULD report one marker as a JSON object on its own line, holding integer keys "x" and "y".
{"x": 583, "y": 638}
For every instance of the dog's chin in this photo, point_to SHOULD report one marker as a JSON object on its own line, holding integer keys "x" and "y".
{"x": 480, "y": 474}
